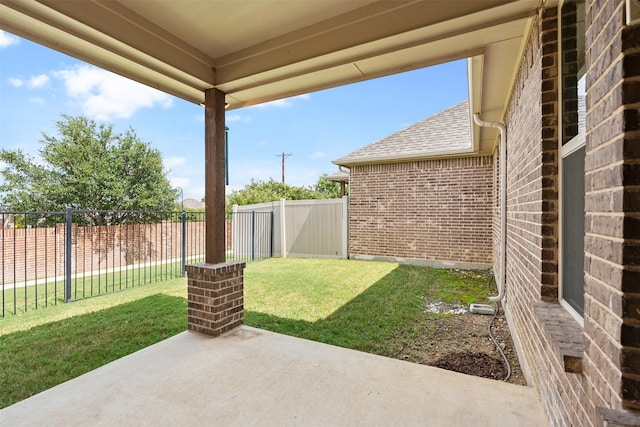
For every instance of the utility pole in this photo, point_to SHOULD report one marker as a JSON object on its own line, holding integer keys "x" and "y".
{"x": 284, "y": 156}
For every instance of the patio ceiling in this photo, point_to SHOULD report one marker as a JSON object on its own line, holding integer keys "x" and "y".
{"x": 262, "y": 50}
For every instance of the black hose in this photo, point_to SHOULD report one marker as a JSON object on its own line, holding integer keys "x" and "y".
{"x": 506, "y": 361}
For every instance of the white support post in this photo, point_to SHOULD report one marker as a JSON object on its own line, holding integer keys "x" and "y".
{"x": 345, "y": 227}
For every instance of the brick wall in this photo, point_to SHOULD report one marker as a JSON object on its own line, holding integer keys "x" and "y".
{"x": 215, "y": 297}
{"x": 532, "y": 227}
{"x": 423, "y": 210}
{"x": 612, "y": 204}
{"x": 585, "y": 376}
{"x": 27, "y": 254}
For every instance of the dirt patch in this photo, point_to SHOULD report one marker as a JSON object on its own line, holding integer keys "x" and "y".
{"x": 460, "y": 342}
{"x": 478, "y": 364}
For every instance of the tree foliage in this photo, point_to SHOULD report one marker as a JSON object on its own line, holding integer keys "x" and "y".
{"x": 330, "y": 189}
{"x": 271, "y": 191}
{"x": 86, "y": 166}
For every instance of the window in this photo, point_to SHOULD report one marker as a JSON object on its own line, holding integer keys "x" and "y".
{"x": 572, "y": 153}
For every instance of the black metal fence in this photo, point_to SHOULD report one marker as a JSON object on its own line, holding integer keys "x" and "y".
{"x": 52, "y": 257}
{"x": 252, "y": 235}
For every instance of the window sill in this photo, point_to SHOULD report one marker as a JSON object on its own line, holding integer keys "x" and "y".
{"x": 565, "y": 335}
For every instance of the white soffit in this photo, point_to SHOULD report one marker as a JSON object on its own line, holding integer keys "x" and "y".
{"x": 262, "y": 50}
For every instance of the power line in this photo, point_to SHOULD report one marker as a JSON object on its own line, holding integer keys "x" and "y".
{"x": 284, "y": 156}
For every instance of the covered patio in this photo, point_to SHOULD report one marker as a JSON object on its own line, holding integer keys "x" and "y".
{"x": 225, "y": 55}
{"x": 253, "y": 377}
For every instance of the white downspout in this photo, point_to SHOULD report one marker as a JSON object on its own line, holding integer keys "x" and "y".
{"x": 503, "y": 202}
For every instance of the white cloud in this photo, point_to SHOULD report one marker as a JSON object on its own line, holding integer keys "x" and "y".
{"x": 317, "y": 155}
{"x": 37, "y": 82}
{"x": 286, "y": 102}
{"x": 7, "y": 39}
{"x": 174, "y": 161}
{"x": 105, "y": 96}
{"x": 15, "y": 82}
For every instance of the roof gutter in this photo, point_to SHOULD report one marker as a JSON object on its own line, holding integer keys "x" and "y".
{"x": 503, "y": 203}
{"x": 393, "y": 158}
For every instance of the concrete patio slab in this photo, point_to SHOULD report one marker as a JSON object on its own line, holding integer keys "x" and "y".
{"x": 254, "y": 377}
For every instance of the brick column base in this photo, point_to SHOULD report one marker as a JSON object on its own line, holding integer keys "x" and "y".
{"x": 216, "y": 297}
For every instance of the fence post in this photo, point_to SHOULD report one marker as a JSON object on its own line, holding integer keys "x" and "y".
{"x": 253, "y": 235}
{"x": 271, "y": 238}
{"x": 345, "y": 227}
{"x": 67, "y": 275}
{"x": 283, "y": 227}
{"x": 183, "y": 258}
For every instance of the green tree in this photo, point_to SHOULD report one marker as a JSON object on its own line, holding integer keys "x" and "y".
{"x": 86, "y": 166}
{"x": 269, "y": 191}
{"x": 329, "y": 189}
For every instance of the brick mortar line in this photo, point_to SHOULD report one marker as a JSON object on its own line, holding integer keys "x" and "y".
{"x": 632, "y": 376}
{"x": 533, "y": 191}
{"x": 604, "y": 236}
{"x": 609, "y": 189}
{"x": 603, "y": 123}
{"x": 605, "y": 261}
{"x": 607, "y": 166}
{"x": 535, "y": 255}
{"x": 607, "y": 309}
{"x": 610, "y": 214}
{"x": 574, "y": 392}
{"x": 633, "y": 79}
{"x": 603, "y": 377}
{"x": 589, "y": 379}
{"x": 602, "y": 33}
{"x": 535, "y": 233}
{"x": 610, "y": 65}
{"x": 609, "y": 288}
{"x": 584, "y": 411}
{"x": 525, "y": 162}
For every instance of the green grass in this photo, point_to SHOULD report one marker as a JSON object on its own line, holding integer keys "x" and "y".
{"x": 49, "y": 292}
{"x": 25, "y": 321}
{"x": 367, "y": 306}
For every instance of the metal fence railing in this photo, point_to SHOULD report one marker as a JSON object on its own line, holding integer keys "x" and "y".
{"x": 252, "y": 235}
{"x": 52, "y": 257}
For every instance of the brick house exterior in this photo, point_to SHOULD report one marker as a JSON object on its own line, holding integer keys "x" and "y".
{"x": 417, "y": 196}
{"x": 586, "y": 368}
{"x": 572, "y": 298}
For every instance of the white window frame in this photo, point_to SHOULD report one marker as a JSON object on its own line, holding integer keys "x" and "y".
{"x": 565, "y": 150}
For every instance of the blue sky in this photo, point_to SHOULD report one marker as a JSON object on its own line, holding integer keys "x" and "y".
{"x": 38, "y": 85}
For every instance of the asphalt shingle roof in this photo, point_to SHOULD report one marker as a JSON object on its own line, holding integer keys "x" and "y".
{"x": 338, "y": 176}
{"x": 445, "y": 132}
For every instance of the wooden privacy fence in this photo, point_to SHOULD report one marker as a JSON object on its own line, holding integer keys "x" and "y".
{"x": 300, "y": 228}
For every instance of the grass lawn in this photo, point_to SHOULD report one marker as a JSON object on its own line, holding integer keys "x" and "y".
{"x": 367, "y": 306}
{"x": 49, "y": 292}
